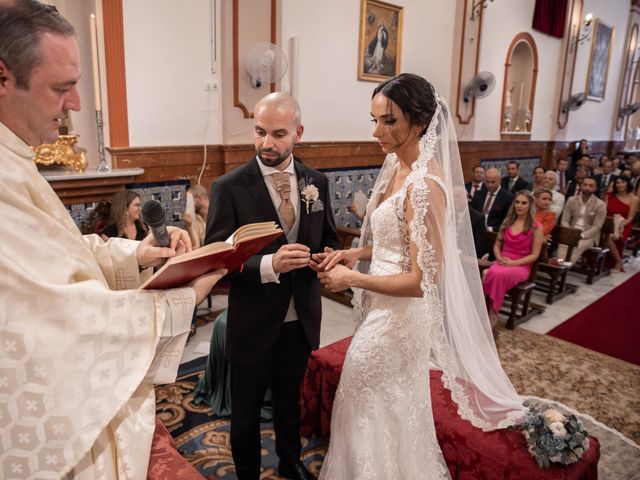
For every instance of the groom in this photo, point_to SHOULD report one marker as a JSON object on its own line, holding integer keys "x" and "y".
{"x": 274, "y": 301}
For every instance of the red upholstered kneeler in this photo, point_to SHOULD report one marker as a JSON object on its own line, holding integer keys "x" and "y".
{"x": 165, "y": 462}
{"x": 471, "y": 454}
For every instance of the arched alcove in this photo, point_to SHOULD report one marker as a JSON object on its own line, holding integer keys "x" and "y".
{"x": 519, "y": 88}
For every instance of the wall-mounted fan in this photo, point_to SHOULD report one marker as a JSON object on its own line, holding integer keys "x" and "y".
{"x": 629, "y": 109}
{"x": 265, "y": 63}
{"x": 480, "y": 86}
{"x": 575, "y": 102}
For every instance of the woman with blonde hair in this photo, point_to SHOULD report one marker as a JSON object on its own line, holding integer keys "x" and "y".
{"x": 518, "y": 245}
{"x": 124, "y": 220}
{"x": 544, "y": 215}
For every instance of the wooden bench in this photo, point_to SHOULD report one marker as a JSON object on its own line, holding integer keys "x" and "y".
{"x": 555, "y": 286}
{"x": 520, "y": 308}
{"x": 592, "y": 261}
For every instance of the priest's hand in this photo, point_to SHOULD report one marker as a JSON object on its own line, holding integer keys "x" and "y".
{"x": 291, "y": 257}
{"x": 150, "y": 255}
{"x": 204, "y": 283}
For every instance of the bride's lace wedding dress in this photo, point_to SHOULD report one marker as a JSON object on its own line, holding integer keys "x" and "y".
{"x": 382, "y": 425}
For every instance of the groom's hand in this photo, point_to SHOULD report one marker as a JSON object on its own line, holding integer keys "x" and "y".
{"x": 291, "y": 257}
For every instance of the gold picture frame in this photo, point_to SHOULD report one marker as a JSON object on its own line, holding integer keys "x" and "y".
{"x": 380, "y": 49}
{"x": 599, "y": 60}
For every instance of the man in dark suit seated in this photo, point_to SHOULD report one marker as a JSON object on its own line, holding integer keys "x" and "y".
{"x": 605, "y": 179}
{"x": 563, "y": 177}
{"x": 573, "y": 188}
{"x": 494, "y": 202}
{"x": 512, "y": 183}
{"x": 479, "y": 230}
{"x": 476, "y": 185}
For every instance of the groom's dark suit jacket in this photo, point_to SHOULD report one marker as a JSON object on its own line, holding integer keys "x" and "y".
{"x": 257, "y": 310}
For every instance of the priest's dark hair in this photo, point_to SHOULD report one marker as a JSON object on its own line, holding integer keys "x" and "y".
{"x": 22, "y": 23}
{"x": 415, "y": 96}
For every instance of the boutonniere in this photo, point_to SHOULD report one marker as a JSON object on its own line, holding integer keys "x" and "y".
{"x": 309, "y": 193}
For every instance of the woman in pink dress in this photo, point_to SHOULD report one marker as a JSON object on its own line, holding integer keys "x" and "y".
{"x": 624, "y": 203}
{"x": 518, "y": 245}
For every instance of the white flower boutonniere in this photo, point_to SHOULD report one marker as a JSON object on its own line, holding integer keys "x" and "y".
{"x": 310, "y": 194}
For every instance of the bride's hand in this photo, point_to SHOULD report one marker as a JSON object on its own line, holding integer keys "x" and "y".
{"x": 348, "y": 258}
{"x": 337, "y": 279}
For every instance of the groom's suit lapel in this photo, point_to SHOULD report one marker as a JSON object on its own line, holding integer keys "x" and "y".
{"x": 305, "y": 219}
{"x": 258, "y": 190}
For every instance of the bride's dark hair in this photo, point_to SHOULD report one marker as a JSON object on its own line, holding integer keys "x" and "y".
{"x": 415, "y": 96}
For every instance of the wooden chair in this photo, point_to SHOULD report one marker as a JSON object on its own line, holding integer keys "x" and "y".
{"x": 346, "y": 234}
{"x": 520, "y": 307}
{"x": 592, "y": 261}
{"x": 555, "y": 286}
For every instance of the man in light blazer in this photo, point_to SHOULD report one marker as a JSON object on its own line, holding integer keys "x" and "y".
{"x": 587, "y": 213}
{"x": 274, "y": 300}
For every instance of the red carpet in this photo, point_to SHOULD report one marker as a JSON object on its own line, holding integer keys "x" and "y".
{"x": 611, "y": 325}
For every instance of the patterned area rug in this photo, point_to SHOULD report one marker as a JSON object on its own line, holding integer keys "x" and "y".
{"x": 204, "y": 439}
{"x": 599, "y": 386}
{"x": 602, "y": 387}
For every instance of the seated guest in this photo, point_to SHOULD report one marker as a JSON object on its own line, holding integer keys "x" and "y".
{"x": 635, "y": 177}
{"x": 214, "y": 385}
{"x": 557, "y": 199}
{"x": 574, "y": 185}
{"x": 124, "y": 219}
{"x": 479, "y": 231}
{"x": 623, "y": 203}
{"x": 618, "y": 162}
{"x": 196, "y": 226}
{"x": 544, "y": 215}
{"x": 581, "y": 151}
{"x": 512, "y": 183}
{"x": 517, "y": 247}
{"x": 477, "y": 183}
{"x": 563, "y": 177}
{"x": 538, "y": 178}
{"x": 606, "y": 178}
{"x": 494, "y": 202}
{"x": 587, "y": 213}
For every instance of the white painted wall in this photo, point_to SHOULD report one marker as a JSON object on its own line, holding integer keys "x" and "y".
{"x": 594, "y": 119}
{"x": 83, "y": 123}
{"x": 168, "y": 65}
{"x": 335, "y": 105}
{"x": 502, "y": 22}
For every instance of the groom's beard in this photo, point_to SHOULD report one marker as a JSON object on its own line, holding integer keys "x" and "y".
{"x": 276, "y": 160}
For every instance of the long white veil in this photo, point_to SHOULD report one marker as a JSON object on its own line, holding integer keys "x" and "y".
{"x": 462, "y": 342}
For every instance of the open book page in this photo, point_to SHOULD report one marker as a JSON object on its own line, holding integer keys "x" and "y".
{"x": 247, "y": 241}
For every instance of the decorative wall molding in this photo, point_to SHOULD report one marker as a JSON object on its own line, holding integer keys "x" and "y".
{"x": 236, "y": 54}
{"x": 569, "y": 65}
{"x": 115, "y": 72}
{"x": 184, "y": 162}
{"x": 469, "y": 58}
{"x": 522, "y": 37}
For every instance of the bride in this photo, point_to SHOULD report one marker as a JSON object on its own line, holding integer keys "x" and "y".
{"x": 419, "y": 301}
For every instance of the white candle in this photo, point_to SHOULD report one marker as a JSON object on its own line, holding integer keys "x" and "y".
{"x": 95, "y": 62}
{"x": 521, "y": 95}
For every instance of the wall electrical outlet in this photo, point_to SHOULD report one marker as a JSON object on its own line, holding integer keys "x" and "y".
{"x": 211, "y": 87}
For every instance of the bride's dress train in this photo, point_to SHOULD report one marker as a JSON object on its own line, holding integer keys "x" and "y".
{"x": 382, "y": 425}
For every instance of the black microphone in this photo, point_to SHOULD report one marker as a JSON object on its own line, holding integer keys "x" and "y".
{"x": 153, "y": 216}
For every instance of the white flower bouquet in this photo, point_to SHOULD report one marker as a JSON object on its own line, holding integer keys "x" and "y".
{"x": 553, "y": 437}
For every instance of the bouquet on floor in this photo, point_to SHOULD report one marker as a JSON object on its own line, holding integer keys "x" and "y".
{"x": 553, "y": 437}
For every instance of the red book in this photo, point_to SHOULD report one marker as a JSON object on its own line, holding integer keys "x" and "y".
{"x": 245, "y": 242}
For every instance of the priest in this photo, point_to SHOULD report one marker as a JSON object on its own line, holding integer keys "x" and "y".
{"x": 80, "y": 349}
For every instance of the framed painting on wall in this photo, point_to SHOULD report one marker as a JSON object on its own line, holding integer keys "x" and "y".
{"x": 380, "y": 40}
{"x": 599, "y": 59}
